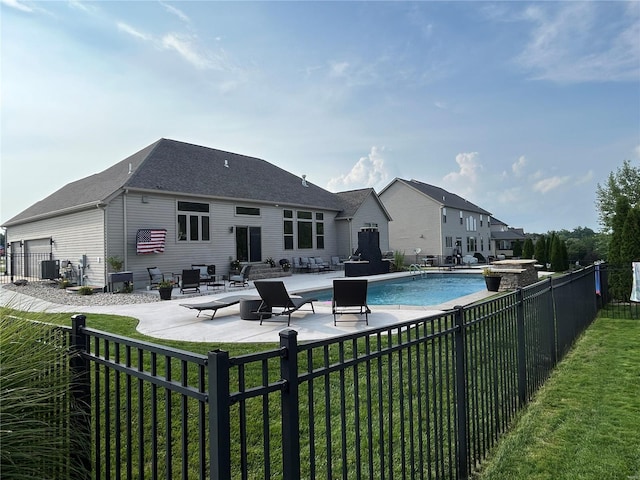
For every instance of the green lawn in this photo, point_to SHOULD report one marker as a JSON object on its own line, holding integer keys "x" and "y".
{"x": 585, "y": 421}
{"x": 583, "y": 424}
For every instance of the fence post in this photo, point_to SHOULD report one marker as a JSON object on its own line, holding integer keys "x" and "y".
{"x": 521, "y": 355}
{"x": 553, "y": 325}
{"x": 462, "y": 445}
{"x": 290, "y": 412}
{"x": 80, "y": 390}
{"x": 219, "y": 416}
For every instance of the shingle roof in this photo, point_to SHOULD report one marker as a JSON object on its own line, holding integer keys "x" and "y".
{"x": 509, "y": 234}
{"x": 443, "y": 197}
{"x": 186, "y": 169}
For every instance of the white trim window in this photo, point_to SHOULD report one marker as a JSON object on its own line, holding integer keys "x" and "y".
{"x": 288, "y": 229}
{"x": 193, "y": 222}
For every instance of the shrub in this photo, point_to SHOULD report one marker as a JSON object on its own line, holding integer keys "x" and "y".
{"x": 85, "y": 290}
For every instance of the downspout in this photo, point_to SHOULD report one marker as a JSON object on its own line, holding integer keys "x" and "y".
{"x": 105, "y": 248}
{"x": 350, "y": 239}
{"x": 124, "y": 229}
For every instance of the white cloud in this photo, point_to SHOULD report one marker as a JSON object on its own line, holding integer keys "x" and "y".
{"x": 637, "y": 151}
{"x": 339, "y": 69}
{"x": 440, "y": 105}
{"x": 132, "y": 31}
{"x": 175, "y": 11}
{"x": 509, "y": 196}
{"x": 518, "y": 166}
{"x": 464, "y": 181}
{"x": 468, "y": 172}
{"x": 369, "y": 171}
{"x": 81, "y": 6}
{"x": 17, "y": 5}
{"x": 586, "y": 178}
{"x": 563, "y": 49}
{"x": 184, "y": 46}
{"x": 536, "y": 175}
{"x": 548, "y": 184}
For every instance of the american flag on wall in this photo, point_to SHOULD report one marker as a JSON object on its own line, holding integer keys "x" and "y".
{"x": 150, "y": 240}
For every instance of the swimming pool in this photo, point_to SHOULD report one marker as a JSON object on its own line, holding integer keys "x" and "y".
{"x": 431, "y": 289}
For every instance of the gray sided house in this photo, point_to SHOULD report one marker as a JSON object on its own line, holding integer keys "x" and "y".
{"x": 362, "y": 209}
{"x": 205, "y": 206}
{"x": 428, "y": 220}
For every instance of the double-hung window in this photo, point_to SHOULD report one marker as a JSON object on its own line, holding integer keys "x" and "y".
{"x": 288, "y": 229}
{"x": 319, "y": 230}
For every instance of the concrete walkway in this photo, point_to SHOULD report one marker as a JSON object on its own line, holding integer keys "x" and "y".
{"x": 169, "y": 320}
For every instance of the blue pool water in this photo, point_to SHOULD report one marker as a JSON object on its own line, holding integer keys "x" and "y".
{"x": 431, "y": 289}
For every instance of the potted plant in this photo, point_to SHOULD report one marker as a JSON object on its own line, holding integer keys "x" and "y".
{"x": 234, "y": 267}
{"x": 165, "y": 288}
{"x": 491, "y": 279}
{"x": 284, "y": 263}
{"x": 270, "y": 261}
{"x": 115, "y": 263}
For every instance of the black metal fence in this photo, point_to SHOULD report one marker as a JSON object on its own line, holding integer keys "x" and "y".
{"x": 28, "y": 266}
{"x": 423, "y": 399}
{"x": 608, "y": 300}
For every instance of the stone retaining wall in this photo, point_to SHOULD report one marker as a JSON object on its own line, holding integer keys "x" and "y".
{"x": 515, "y": 273}
{"x": 260, "y": 271}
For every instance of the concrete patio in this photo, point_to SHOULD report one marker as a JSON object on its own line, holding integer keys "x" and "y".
{"x": 169, "y": 320}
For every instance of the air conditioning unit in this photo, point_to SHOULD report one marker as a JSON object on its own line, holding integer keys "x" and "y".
{"x": 50, "y": 270}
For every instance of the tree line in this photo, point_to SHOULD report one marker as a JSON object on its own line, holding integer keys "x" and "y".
{"x": 618, "y": 243}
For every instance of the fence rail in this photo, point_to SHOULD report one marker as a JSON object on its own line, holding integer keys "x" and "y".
{"x": 424, "y": 399}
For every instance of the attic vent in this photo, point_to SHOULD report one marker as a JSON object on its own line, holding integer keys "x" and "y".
{"x": 226, "y": 164}
{"x": 130, "y": 169}
{"x": 304, "y": 181}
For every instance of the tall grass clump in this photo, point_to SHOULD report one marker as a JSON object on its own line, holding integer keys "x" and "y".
{"x": 36, "y": 410}
{"x": 398, "y": 260}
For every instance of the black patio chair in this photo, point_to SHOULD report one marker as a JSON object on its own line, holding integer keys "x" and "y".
{"x": 349, "y": 295}
{"x": 190, "y": 280}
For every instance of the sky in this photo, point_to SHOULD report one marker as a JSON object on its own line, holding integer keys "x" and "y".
{"x": 522, "y": 108}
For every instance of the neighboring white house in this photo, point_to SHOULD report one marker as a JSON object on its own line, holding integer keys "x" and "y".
{"x": 430, "y": 221}
{"x": 503, "y": 238}
{"x": 207, "y": 206}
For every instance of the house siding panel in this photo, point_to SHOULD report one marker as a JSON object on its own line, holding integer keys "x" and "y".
{"x": 416, "y": 221}
{"x": 74, "y": 235}
{"x": 160, "y": 211}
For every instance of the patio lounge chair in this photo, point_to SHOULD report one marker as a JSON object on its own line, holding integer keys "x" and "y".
{"x": 242, "y": 278}
{"x": 190, "y": 280}
{"x": 214, "y": 305}
{"x": 274, "y": 295}
{"x": 156, "y": 276}
{"x": 350, "y": 296}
